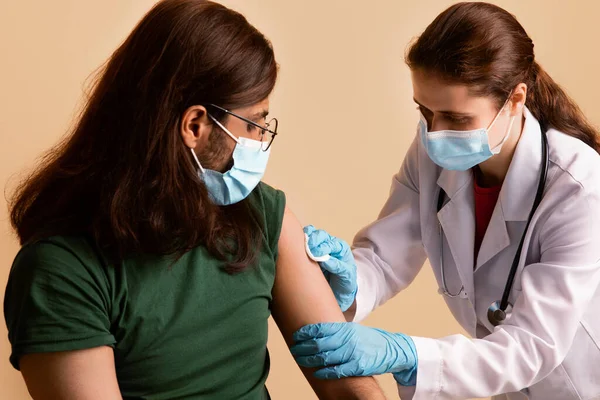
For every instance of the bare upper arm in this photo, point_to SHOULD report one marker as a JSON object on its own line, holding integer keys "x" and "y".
{"x": 302, "y": 296}
{"x": 71, "y": 375}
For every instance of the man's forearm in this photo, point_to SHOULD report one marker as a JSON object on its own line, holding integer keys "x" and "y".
{"x": 365, "y": 388}
{"x": 353, "y": 388}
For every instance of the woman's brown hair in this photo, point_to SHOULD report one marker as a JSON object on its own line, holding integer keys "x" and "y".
{"x": 124, "y": 176}
{"x": 484, "y": 47}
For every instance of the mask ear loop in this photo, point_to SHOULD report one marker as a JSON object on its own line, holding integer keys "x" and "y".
{"x": 197, "y": 161}
{"x": 496, "y": 150}
{"x": 500, "y": 112}
{"x": 512, "y": 120}
{"x": 237, "y": 140}
{"x": 423, "y": 120}
{"x": 224, "y": 130}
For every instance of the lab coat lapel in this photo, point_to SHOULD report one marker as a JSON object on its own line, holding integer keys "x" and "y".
{"x": 458, "y": 223}
{"x": 517, "y": 193}
{"x": 521, "y": 182}
{"x": 495, "y": 239}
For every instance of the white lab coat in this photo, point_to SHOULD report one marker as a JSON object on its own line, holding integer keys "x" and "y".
{"x": 549, "y": 349}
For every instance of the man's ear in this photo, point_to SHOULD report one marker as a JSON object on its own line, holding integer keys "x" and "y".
{"x": 195, "y": 126}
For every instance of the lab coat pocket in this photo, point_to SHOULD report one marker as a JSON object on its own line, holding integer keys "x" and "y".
{"x": 556, "y": 386}
{"x": 583, "y": 361}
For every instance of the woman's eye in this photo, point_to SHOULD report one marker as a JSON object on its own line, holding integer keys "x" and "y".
{"x": 458, "y": 120}
{"x": 423, "y": 110}
{"x": 250, "y": 128}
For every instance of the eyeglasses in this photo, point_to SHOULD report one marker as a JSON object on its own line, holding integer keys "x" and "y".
{"x": 267, "y": 132}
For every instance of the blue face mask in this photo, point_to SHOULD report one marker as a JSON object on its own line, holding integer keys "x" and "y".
{"x": 460, "y": 150}
{"x": 249, "y": 165}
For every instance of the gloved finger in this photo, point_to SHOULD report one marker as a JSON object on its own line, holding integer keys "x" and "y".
{"x": 318, "y": 236}
{"x": 408, "y": 377}
{"x": 312, "y": 347}
{"x": 309, "y": 229}
{"x": 344, "y": 277}
{"x": 319, "y": 243}
{"x": 340, "y": 371}
{"x": 338, "y": 247}
{"x": 306, "y": 348}
{"x": 325, "y": 243}
{"x": 324, "y": 359}
{"x": 334, "y": 266}
{"x": 345, "y": 301}
{"x": 320, "y": 330}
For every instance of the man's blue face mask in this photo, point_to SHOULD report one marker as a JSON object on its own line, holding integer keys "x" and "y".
{"x": 249, "y": 165}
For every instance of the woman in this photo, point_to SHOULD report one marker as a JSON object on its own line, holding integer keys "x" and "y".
{"x": 152, "y": 256}
{"x": 503, "y": 174}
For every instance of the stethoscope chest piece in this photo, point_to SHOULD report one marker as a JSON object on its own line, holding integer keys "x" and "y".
{"x": 497, "y": 315}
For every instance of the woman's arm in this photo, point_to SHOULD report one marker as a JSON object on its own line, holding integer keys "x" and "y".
{"x": 389, "y": 252}
{"x": 387, "y": 255}
{"x": 71, "y": 375}
{"x": 302, "y": 296}
{"x": 555, "y": 295}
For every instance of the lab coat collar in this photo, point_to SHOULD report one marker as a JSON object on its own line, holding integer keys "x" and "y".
{"x": 458, "y": 223}
{"x": 515, "y": 202}
{"x": 517, "y": 193}
{"x": 453, "y": 182}
{"x": 521, "y": 181}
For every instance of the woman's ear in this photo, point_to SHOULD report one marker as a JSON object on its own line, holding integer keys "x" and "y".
{"x": 195, "y": 126}
{"x": 517, "y": 99}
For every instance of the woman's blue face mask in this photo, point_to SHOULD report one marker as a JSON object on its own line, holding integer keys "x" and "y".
{"x": 461, "y": 150}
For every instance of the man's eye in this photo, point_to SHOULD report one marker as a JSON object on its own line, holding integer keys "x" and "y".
{"x": 250, "y": 127}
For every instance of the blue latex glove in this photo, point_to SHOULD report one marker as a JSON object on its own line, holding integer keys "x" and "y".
{"x": 350, "y": 349}
{"x": 340, "y": 269}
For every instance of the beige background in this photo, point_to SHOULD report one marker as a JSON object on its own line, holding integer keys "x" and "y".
{"x": 343, "y": 100}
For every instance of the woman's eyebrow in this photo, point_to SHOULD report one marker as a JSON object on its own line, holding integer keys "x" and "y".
{"x": 446, "y": 112}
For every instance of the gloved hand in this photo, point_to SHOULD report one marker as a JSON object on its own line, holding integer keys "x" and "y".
{"x": 350, "y": 349}
{"x": 340, "y": 269}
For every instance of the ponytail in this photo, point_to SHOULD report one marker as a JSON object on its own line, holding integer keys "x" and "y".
{"x": 553, "y": 108}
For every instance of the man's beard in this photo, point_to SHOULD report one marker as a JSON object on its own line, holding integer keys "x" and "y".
{"x": 216, "y": 155}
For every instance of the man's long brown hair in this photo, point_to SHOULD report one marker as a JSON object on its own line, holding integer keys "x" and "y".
{"x": 124, "y": 176}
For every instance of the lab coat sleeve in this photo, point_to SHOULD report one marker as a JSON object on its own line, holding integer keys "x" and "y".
{"x": 389, "y": 252}
{"x": 536, "y": 338}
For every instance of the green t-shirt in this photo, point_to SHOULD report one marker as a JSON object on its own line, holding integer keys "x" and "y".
{"x": 186, "y": 330}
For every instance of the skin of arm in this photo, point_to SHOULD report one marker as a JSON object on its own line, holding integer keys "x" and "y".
{"x": 71, "y": 375}
{"x": 302, "y": 296}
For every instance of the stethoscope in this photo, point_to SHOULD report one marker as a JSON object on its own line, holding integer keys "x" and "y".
{"x": 499, "y": 310}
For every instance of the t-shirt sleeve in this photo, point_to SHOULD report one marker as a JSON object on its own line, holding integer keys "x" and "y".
{"x": 56, "y": 300}
{"x": 274, "y": 208}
